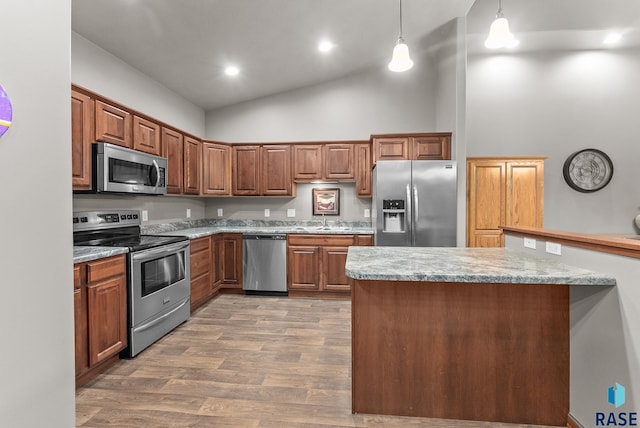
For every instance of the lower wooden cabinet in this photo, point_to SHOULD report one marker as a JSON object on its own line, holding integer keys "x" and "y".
{"x": 231, "y": 257}
{"x": 316, "y": 264}
{"x": 100, "y": 311}
{"x": 201, "y": 267}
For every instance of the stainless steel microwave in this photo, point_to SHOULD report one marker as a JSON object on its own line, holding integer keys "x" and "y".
{"x": 117, "y": 169}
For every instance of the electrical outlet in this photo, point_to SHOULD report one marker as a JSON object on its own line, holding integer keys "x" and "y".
{"x": 367, "y": 213}
{"x": 530, "y": 243}
{"x": 554, "y": 248}
{"x": 220, "y": 212}
{"x": 291, "y": 212}
{"x": 188, "y": 212}
{"x": 267, "y": 212}
{"x": 145, "y": 215}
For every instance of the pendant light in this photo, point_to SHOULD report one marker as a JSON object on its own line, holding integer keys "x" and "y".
{"x": 400, "y": 60}
{"x": 499, "y": 34}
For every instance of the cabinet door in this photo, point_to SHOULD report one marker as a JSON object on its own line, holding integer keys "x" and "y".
{"x": 246, "y": 170}
{"x": 307, "y": 162}
{"x": 339, "y": 162}
{"x": 80, "y": 322}
{"x": 192, "y": 158}
{"x": 437, "y": 147}
{"x": 146, "y": 136}
{"x": 276, "y": 170}
{"x": 82, "y": 108}
{"x": 363, "y": 170}
{"x": 216, "y": 263}
{"x": 173, "y": 149}
{"x": 107, "y": 306}
{"x": 485, "y": 202}
{"x": 390, "y": 149}
{"x": 113, "y": 125}
{"x": 525, "y": 193}
{"x": 333, "y": 269}
{"x": 303, "y": 263}
{"x": 217, "y": 169}
{"x": 232, "y": 259}
{"x": 364, "y": 240}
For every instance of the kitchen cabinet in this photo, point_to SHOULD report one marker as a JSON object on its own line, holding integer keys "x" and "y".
{"x": 307, "y": 162}
{"x": 146, "y": 136}
{"x": 207, "y": 264}
{"x": 262, "y": 170}
{"x": 503, "y": 192}
{"x": 173, "y": 150}
{"x": 231, "y": 256}
{"x": 339, "y": 162}
{"x": 324, "y": 161}
{"x": 424, "y": 146}
{"x": 112, "y": 124}
{"x": 216, "y": 173}
{"x": 364, "y": 185}
{"x": 100, "y": 310}
{"x": 201, "y": 268}
{"x": 82, "y": 132}
{"x": 316, "y": 264}
{"x": 192, "y": 165}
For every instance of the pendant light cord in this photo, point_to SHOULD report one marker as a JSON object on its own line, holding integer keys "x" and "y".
{"x": 400, "y": 36}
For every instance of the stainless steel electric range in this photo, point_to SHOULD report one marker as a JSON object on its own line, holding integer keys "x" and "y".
{"x": 158, "y": 272}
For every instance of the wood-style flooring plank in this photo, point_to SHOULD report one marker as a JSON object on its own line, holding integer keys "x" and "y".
{"x": 243, "y": 361}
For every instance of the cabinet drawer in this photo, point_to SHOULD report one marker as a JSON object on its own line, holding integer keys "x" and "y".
{"x": 339, "y": 240}
{"x": 200, "y": 244}
{"x": 200, "y": 288}
{"x": 77, "y": 276}
{"x": 200, "y": 263}
{"x": 105, "y": 268}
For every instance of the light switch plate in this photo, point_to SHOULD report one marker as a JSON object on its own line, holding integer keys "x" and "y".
{"x": 220, "y": 212}
{"x": 554, "y": 248}
{"x": 145, "y": 215}
{"x": 267, "y": 212}
{"x": 291, "y": 212}
{"x": 367, "y": 213}
{"x": 188, "y": 212}
{"x": 530, "y": 243}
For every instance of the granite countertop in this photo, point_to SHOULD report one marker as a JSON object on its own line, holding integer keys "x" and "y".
{"x": 477, "y": 265}
{"x": 86, "y": 254}
{"x": 198, "y": 232}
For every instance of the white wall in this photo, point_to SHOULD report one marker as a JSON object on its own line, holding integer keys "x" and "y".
{"x": 36, "y": 265}
{"x": 554, "y": 104}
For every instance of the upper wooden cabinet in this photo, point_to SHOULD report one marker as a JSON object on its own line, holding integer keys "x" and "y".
{"x": 330, "y": 161}
{"x": 502, "y": 192}
{"x": 113, "y": 125}
{"x": 192, "y": 165}
{"x": 425, "y": 146}
{"x": 173, "y": 150}
{"x": 262, "y": 170}
{"x": 146, "y": 136}
{"x": 363, "y": 170}
{"x": 339, "y": 161}
{"x": 307, "y": 162}
{"x": 216, "y": 172}
{"x": 82, "y": 133}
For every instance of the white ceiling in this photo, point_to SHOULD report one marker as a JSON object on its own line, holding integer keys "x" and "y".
{"x": 185, "y": 44}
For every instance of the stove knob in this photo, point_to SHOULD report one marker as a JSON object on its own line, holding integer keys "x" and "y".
{"x": 122, "y": 216}
{"x": 83, "y": 220}
{"x": 135, "y": 216}
{"x": 129, "y": 217}
{"x": 75, "y": 220}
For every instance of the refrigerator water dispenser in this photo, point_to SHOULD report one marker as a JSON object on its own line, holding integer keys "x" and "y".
{"x": 394, "y": 214}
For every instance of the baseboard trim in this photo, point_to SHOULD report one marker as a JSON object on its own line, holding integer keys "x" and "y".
{"x": 573, "y": 422}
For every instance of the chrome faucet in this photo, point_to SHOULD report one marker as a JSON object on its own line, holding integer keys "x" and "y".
{"x": 324, "y": 221}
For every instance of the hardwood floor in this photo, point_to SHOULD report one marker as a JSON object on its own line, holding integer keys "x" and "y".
{"x": 242, "y": 361}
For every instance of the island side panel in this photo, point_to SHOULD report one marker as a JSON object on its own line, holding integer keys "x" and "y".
{"x": 488, "y": 352}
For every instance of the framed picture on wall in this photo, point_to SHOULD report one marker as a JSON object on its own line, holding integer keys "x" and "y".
{"x": 326, "y": 201}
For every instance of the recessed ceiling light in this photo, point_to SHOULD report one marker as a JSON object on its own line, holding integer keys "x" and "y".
{"x": 325, "y": 46}
{"x": 231, "y": 70}
{"x": 612, "y": 38}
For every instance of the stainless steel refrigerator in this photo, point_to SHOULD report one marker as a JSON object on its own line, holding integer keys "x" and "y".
{"x": 414, "y": 203}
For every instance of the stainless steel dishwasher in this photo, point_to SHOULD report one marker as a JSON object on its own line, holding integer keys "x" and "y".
{"x": 264, "y": 264}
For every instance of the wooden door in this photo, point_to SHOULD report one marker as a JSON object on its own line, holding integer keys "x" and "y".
{"x": 303, "y": 267}
{"x": 435, "y": 147}
{"x": 525, "y": 193}
{"x": 339, "y": 162}
{"x": 192, "y": 165}
{"x": 485, "y": 202}
{"x": 232, "y": 259}
{"x": 276, "y": 170}
{"x": 216, "y": 169}
{"x": 391, "y": 148}
{"x": 173, "y": 150}
{"x": 82, "y": 122}
{"x": 113, "y": 125}
{"x": 107, "y": 305}
{"x": 333, "y": 269}
{"x": 146, "y": 136}
{"x": 307, "y": 162}
{"x": 246, "y": 170}
{"x": 363, "y": 170}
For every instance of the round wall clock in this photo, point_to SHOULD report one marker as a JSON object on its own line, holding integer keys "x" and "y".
{"x": 5, "y": 112}
{"x": 588, "y": 170}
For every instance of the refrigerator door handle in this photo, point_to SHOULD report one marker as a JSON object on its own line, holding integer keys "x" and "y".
{"x": 415, "y": 216}
{"x": 408, "y": 218}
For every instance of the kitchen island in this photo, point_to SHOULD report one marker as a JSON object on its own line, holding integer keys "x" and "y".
{"x": 462, "y": 333}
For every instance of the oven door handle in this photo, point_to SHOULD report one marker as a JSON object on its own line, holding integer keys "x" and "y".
{"x": 153, "y": 323}
{"x": 153, "y": 253}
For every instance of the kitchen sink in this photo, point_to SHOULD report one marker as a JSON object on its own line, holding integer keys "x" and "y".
{"x": 328, "y": 228}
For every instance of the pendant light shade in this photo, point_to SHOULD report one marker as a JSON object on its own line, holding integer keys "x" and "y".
{"x": 499, "y": 34}
{"x": 400, "y": 60}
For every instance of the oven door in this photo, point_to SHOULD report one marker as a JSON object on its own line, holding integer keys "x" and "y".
{"x": 159, "y": 282}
